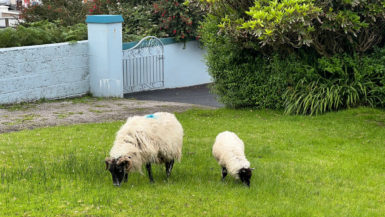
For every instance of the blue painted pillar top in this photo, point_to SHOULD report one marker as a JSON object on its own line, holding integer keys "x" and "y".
{"x": 105, "y": 55}
{"x": 104, "y": 19}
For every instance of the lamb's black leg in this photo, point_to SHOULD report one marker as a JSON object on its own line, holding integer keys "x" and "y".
{"x": 148, "y": 167}
{"x": 224, "y": 173}
{"x": 125, "y": 177}
{"x": 169, "y": 166}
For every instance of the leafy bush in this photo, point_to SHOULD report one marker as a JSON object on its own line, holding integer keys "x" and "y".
{"x": 342, "y": 81}
{"x": 278, "y": 23}
{"x": 178, "y": 18}
{"x": 329, "y": 27}
{"x": 42, "y": 32}
{"x": 67, "y": 12}
{"x": 306, "y": 56}
{"x": 318, "y": 96}
{"x": 245, "y": 77}
{"x": 161, "y": 18}
{"x": 139, "y": 20}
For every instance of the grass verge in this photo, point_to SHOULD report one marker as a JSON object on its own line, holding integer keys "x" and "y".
{"x": 329, "y": 165}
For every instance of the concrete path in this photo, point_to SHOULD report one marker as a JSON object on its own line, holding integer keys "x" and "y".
{"x": 198, "y": 95}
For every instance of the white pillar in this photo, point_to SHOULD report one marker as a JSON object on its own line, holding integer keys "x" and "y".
{"x": 105, "y": 55}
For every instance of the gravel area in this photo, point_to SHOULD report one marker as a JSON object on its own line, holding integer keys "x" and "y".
{"x": 82, "y": 110}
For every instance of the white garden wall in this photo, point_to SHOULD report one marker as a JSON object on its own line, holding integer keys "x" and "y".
{"x": 184, "y": 65}
{"x": 43, "y": 71}
{"x": 65, "y": 70}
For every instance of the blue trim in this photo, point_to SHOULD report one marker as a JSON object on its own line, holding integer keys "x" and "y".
{"x": 168, "y": 41}
{"x": 128, "y": 45}
{"x": 104, "y": 19}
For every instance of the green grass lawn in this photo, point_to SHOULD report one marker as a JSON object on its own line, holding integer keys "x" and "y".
{"x": 329, "y": 165}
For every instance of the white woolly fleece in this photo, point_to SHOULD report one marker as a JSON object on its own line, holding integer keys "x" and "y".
{"x": 229, "y": 151}
{"x": 149, "y": 140}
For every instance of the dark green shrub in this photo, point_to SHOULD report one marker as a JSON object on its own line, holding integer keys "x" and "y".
{"x": 8, "y": 37}
{"x": 139, "y": 20}
{"x": 67, "y": 12}
{"x": 373, "y": 70}
{"x": 161, "y": 18}
{"x": 178, "y": 18}
{"x": 329, "y": 27}
{"x": 320, "y": 54}
{"x": 42, "y": 32}
{"x": 246, "y": 78}
{"x": 342, "y": 82}
{"x": 318, "y": 97}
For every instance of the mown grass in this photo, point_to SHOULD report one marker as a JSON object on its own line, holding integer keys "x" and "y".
{"x": 329, "y": 165}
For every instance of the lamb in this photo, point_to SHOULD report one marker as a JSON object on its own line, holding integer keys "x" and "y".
{"x": 228, "y": 150}
{"x": 155, "y": 138}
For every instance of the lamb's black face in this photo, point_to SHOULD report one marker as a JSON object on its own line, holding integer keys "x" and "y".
{"x": 118, "y": 170}
{"x": 245, "y": 175}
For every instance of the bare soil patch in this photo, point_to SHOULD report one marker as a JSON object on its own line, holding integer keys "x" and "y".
{"x": 81, "y": 110}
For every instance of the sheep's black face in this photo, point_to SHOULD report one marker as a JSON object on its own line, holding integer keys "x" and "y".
{"x": 118, "y": 173}
{"x": 245, "y": 175}
{"x": 118, "y": 169}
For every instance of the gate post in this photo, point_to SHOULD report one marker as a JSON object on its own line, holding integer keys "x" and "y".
{"x": 105, "y": 55}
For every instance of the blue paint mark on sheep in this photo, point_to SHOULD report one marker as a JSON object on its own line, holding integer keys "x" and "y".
{"x": 151, "y": 116}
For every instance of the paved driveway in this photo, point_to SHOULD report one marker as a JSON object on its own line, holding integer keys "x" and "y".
{"x": 199, "y": 95}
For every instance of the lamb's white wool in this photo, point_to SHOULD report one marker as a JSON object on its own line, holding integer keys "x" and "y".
{"x": 154, "y": 138}
{"x": 229, "y": 151}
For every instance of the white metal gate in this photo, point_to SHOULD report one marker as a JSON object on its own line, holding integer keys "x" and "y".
{"x": 143, "y": 66}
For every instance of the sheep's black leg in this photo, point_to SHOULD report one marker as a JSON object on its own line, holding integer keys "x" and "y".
{"x": 224, "y": 173}
{"x": 125, "y": 177}
{"x": 148, "y": 167}
{"x": 169, "y": 166}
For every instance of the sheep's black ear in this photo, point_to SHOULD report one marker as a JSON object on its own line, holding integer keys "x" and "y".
{"x": 108, "y": 162}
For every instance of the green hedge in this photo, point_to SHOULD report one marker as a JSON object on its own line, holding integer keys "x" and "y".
{"x": 42, "y": 32}
{"x": 245, "y": 77}
{"x": 308, "y": 57}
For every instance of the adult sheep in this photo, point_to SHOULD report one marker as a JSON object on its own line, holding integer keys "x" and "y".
{"x": 228, "y": 150}
{"x": 155, "y": 138}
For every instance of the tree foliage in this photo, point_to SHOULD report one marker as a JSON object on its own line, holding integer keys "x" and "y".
{"x": 329, "y": 27}
{"x": 67, "y": 12}
{"x": 162, "y": 18}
